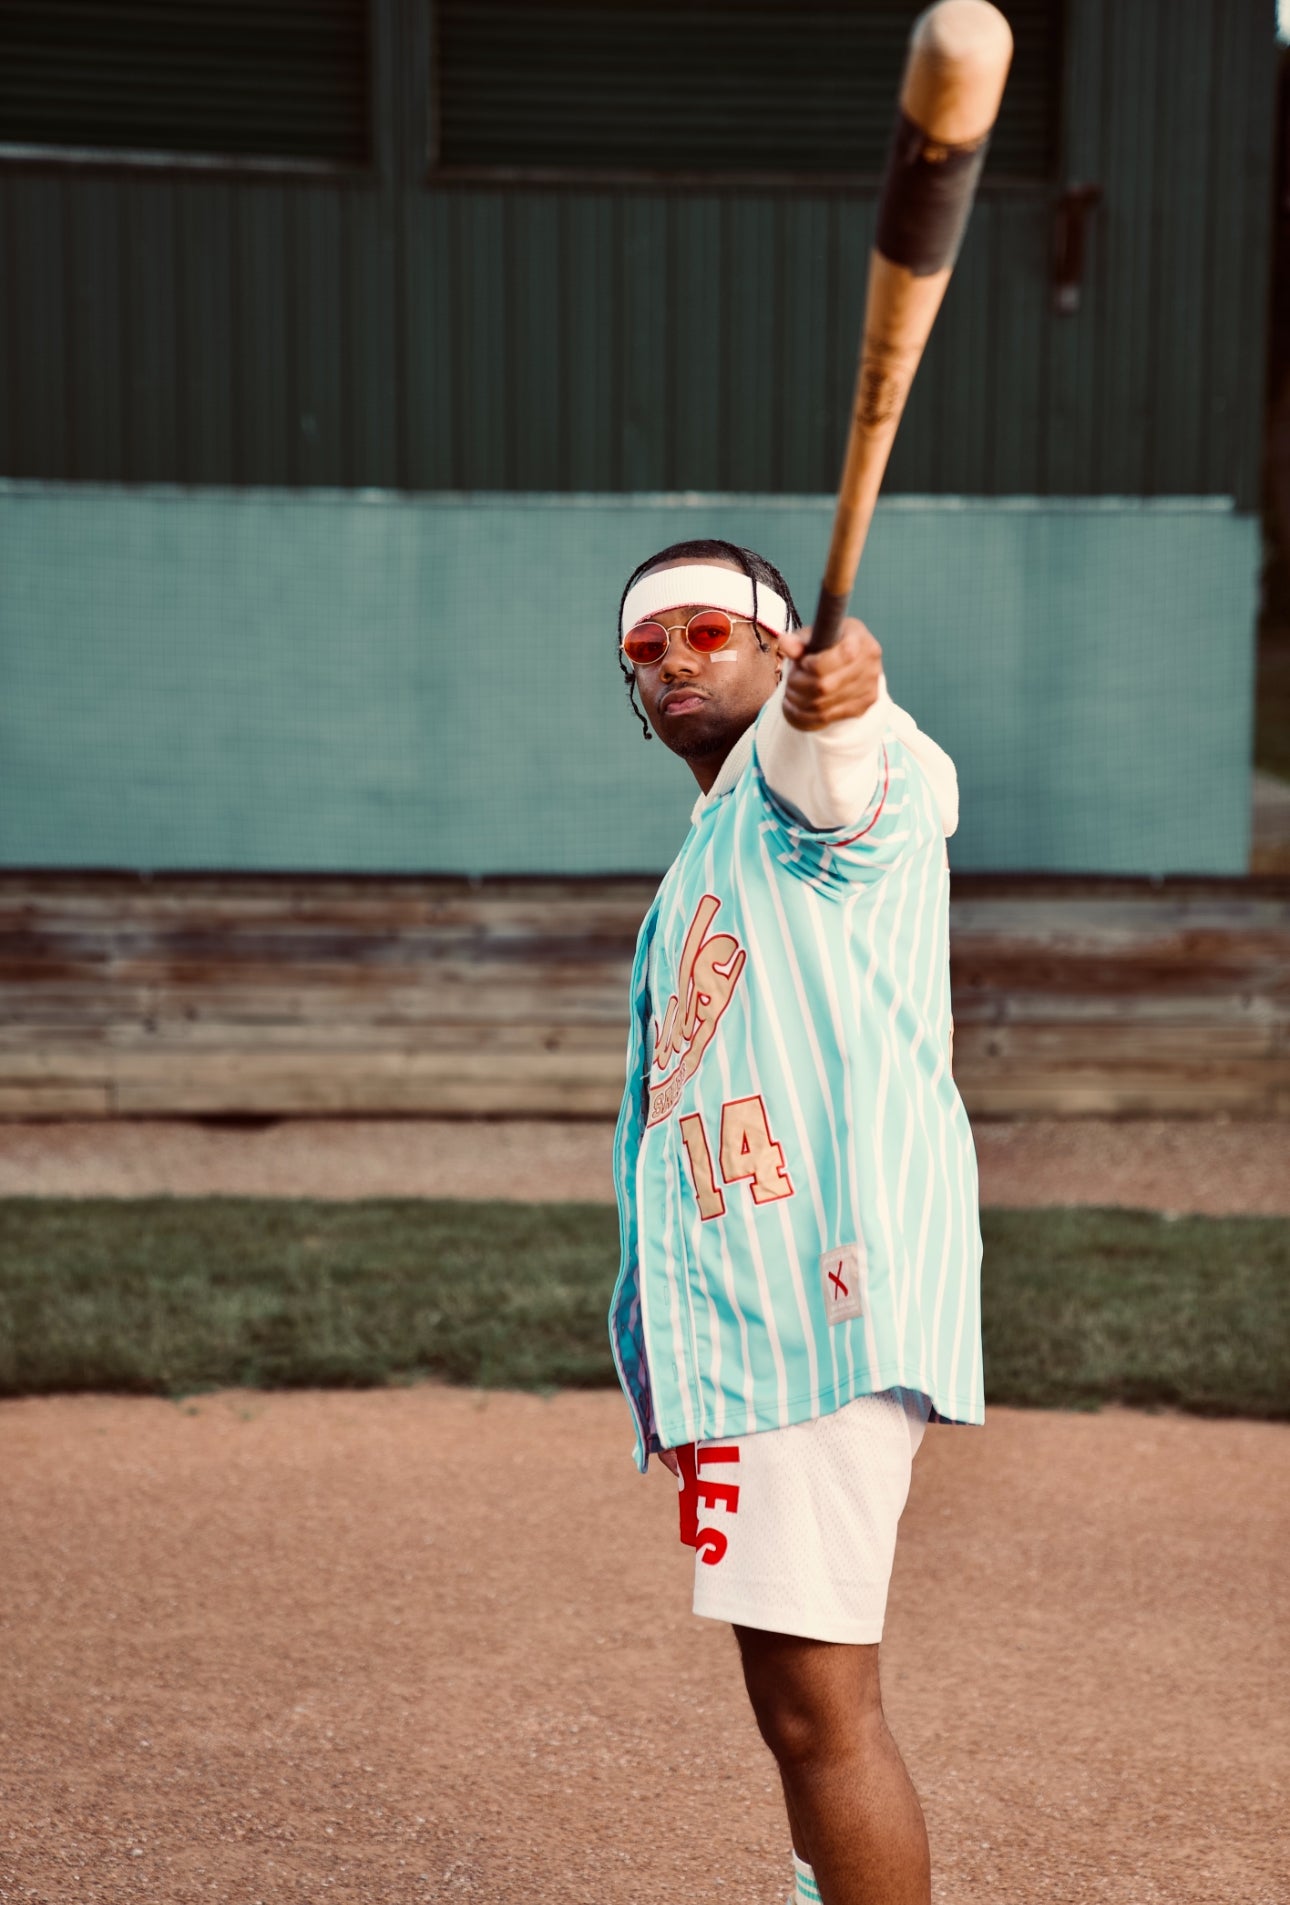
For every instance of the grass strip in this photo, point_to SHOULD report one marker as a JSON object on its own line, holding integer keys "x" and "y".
{"x": 172, "y": 1296}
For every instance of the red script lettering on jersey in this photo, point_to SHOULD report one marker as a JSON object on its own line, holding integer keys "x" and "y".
{"x": 705, "y": 983}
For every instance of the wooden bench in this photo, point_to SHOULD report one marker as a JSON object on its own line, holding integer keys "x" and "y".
{"x": 304, "y": 995}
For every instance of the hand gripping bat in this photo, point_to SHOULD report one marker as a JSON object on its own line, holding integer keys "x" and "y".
{"x": 959, "y": 52}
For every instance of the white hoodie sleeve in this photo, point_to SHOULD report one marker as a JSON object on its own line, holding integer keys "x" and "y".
{"x": 829, "y": 774}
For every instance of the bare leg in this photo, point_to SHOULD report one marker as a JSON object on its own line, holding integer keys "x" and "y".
{"x": 852, "y": 1808}
{"x": 795, "y": 1831}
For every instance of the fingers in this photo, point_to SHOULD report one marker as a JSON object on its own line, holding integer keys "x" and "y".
{"x": 838, "y": 683}
{"x": 668, "y": 1459}
{"x": 795, "y": 643}
{"x": 854, "y": 639}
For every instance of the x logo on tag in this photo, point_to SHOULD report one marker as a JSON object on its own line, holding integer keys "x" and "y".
{"x": 842, "y": 1279}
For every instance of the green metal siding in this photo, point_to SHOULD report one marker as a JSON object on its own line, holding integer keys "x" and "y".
{"x": 385, "y": 331}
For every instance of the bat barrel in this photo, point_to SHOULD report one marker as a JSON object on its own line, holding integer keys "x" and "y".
{"x": 959, "y": 53}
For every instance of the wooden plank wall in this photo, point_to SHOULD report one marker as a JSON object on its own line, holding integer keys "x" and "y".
{"x": 122, "y": 995}
{"x": 391, "y": 331}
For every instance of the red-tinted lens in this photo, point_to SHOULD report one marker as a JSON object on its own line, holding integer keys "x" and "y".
{"x": 645, "y": 644}
{"x": 710, "y": 631}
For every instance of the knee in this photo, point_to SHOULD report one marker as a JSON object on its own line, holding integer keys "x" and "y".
{"x": 794, "y": 1733}
{"x": 807, "y": 1726}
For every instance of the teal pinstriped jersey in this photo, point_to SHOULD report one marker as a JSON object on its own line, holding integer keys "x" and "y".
{"x": 796, "y": 1179}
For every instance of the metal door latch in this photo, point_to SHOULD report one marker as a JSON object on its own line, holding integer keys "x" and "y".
{"x": 1073, "y": 207}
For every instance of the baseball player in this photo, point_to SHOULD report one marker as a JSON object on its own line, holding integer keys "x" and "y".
{"x": 799, "y": 1286}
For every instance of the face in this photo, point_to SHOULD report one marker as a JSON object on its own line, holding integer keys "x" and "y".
{"x": 699, "y": 705}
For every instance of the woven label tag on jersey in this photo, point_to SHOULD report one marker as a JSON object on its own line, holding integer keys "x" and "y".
{"x": 842, "y": 1275}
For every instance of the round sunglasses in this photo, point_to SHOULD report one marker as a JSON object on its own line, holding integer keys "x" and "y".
{"x": 706, "y": 632}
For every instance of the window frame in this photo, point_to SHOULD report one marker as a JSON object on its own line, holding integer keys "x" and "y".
{"x": 164, "y": 162}
{"x": 860, "y": 184}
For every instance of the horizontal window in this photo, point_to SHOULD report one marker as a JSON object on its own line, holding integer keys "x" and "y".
{"x": 724, "y": 86}
{"x": 242, "y": 79}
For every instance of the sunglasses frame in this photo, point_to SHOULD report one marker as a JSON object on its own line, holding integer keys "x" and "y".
{"x": 669, "y": 629}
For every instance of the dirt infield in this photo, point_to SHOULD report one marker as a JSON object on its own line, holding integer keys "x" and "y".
{"x": 1215, "y": 1166}
{"x": 431, "y": 1644}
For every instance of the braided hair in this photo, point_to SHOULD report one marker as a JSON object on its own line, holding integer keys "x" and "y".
{"x": 755, "y": 567}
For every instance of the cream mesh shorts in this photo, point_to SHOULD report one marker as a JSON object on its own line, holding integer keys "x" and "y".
{"x": 794, "y": 1530}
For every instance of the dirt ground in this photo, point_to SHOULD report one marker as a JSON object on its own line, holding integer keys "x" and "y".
{"x": 428, "y": 1643}
{"x": 1212, "y": 1165}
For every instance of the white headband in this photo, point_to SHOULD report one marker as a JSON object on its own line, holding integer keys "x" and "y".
{"x": 706, "y": 584}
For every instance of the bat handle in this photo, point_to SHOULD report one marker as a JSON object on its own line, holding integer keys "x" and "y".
{"x": 830, "y": 614}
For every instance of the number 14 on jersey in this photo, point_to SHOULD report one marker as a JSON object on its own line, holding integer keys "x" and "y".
{"x": 746, "y": 1151}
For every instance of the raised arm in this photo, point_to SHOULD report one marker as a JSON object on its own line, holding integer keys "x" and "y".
{"x": 820, "y": 739}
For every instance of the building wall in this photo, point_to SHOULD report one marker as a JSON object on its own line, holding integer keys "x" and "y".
{"x": 327, "y": 682}
{"x": 403, "y": 334}
{"x": 227, "y": 674}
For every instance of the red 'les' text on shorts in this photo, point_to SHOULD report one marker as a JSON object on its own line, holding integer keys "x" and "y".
{"x": 697, "y": 1492}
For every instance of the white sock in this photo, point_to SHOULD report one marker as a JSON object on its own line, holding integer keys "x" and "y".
{"x": 805, "y": 1890}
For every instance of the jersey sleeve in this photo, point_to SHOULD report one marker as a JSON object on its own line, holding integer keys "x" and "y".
{"x": 899, "y": 819}
{"x": 826, "y": 776}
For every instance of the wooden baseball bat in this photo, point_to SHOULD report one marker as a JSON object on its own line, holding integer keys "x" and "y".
{"x": 959, "y": 52}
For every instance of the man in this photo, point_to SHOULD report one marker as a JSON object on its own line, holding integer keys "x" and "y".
{"x": 799, "y": 1286}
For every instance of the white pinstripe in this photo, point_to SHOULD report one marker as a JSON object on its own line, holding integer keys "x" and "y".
{"x": 843, "y": 1048}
